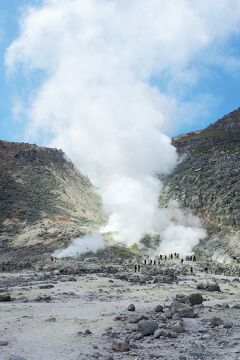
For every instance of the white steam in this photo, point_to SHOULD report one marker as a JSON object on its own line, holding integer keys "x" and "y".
{"x": 82, "y": 245}
{"x": 180, "y": 230}
{"x": 114, "y": 70}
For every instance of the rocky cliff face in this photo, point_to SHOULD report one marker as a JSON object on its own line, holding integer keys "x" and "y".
{"x": 207, "y": 180}
{"x": 44, "y": 200}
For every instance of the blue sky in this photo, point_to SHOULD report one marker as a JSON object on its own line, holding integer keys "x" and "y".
{"x": 215, "y": 83}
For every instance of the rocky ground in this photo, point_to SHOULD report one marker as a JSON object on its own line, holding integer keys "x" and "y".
{"x": 99, "y": 309}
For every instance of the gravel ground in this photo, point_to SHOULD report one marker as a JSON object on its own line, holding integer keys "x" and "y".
{"x": 55, "y": 316}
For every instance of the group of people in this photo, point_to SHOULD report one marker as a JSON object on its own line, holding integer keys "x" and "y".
{"x": 157, "y": 260}
{"x": 160, "y": 258}
{"x": 190, "y": 258}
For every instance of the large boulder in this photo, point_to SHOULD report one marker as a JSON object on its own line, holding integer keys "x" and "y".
{"x": 195, "y": 299}
{"x": 182, "y": 309}
{"x": 208, "y": 287}
{"x": 147, "y": 327}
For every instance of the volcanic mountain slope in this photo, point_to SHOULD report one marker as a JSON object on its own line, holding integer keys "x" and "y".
{"x": 44, "y": 200}
{"x": 207, "y": 180}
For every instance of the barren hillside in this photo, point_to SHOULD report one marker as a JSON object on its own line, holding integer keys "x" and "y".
{"x": 208, "y": 180}
{"x": 44, "y": 200}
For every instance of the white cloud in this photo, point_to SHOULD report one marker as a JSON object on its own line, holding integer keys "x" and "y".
{"x": 98, "y": 100}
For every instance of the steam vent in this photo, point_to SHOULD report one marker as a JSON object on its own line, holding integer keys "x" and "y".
{"x": 119, "y": 180}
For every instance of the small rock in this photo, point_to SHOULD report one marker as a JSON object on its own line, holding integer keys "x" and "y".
{"x": 215, "y": 321}
{"x": 5, "y": 298}
{"x": 47, "y": 286}
{"x": 168, "y": 314}
{"x": 138, "y": 336}
{"x": 176, "y": 316}
{"x": 208, "y": 287}
{"x": 87, "y": 332}
{"x": 227, "y": 326}
{"x": 158, "y": 333}
{"x": 195, "y": 298}
{"x": 236, "y": 306}
{"x": 131, "y": 307}
{"x": 51, "y": 319}
{"x": 184, "y": 310}
{"x": 96, "y": 355}
{"x": 158, "y": 309}
{"x": 163, "y": 317}
{"x": 43, "y": 299}
{"x": 177, "y": 328}
{"x": 4, "y": 343}
{"x": 164, "y": 333}
{"x": 147, "y": 327}
{"x": 120, "y": 346}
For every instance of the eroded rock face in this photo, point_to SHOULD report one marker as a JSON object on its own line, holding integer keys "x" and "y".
{"x": 207, "y": 179}
{"x": 45, "y": 201}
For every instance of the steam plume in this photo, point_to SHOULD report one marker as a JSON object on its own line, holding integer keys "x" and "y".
{"x": 99, "y": 100}
{"x": 80, "y": 246}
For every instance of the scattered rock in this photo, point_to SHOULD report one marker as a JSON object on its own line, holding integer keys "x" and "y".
{"x": 177, "y": 328}
{"x": 227, "y": 326}
{"x": 216, "y": 321}
{"x": 168, "y": 314}
{"x": 184, "y": 310}
{"x": 136, "y": 319}
{"x": 195, "y": 298}
{"x": 51, "y": 319}
{"x": 208, "y": 287}
{"x": 47, "y": 286}
{"x": 87, "y": 332}
{"x": 176, "y": 316}
{"x": 131, "y": 307}
{"x": 164, "y": 333}
{"x": 5, "y": 298}
{"x": 120, "y": 346}
{"x": 163, "y": 317}
{"x": 147, "y": 327}
{"x": 43, "y": 298}
{"x": 4, "y": 343}
{"x": 236, "y": 306}
{"x": 138, "y": 336}
{"x": 158, "y": 309}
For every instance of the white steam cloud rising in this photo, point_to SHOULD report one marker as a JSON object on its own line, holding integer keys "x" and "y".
{"x": 88, "y": 243}
{"x": 100, "y": 102}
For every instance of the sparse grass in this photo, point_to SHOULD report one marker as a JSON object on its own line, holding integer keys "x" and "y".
{"x": 232, "y": 148}
{"x": 202, "y": 134}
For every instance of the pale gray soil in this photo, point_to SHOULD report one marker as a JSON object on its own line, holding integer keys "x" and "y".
{"x": 41, "y": 330}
